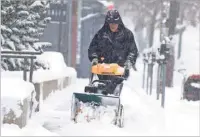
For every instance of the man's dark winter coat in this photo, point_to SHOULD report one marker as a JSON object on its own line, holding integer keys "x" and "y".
{"x": 115, "y": 47}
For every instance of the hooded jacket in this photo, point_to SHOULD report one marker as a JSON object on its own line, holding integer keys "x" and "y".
{"x": 114, "y": 47}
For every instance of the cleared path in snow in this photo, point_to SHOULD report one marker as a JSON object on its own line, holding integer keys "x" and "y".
{"x": 140, "y": 117}
{"x": 143, "y": 113}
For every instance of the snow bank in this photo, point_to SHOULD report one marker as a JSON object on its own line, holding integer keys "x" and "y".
{"x": 13, "y": 92}
{"x": 18, "y": 96}
{"x": 54, "y": 60}
{"x": 20, "y": 89}
{"x": 10, "y": 130}
{"x": 56, "y": 65}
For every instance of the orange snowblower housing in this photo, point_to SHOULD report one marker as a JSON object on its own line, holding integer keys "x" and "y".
{"x": 108, "y": 69}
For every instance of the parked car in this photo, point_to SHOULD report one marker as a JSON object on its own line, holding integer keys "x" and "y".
{"x": 191, "y": 90}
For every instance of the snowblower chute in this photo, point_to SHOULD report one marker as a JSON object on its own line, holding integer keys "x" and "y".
{"x": 94, "y": 95}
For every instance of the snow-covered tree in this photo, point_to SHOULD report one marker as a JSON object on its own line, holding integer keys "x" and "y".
{"x": 22, "y": 24}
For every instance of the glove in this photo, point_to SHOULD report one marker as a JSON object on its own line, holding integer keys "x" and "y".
{"x": 126, "y": 73}
{"x": 131, "y": 57}
{"x": 94, "y": 58}
{"x": 95, "y": 61}
{"x": 128, "y": 66}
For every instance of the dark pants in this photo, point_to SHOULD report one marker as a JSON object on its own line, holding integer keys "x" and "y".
{"x": 110, "y": 87}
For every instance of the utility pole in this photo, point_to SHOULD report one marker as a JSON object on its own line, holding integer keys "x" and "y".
{"x": 171, "y": 24}
{"x": 60, "y": 27}
{"x": 181, "y": 33}
{"x": 79, "y": 15}
{"x": 69, "y": 51}
{"x": 199, "y": 36}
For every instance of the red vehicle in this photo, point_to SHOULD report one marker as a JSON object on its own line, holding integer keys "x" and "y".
{"x": 191, "y": 89}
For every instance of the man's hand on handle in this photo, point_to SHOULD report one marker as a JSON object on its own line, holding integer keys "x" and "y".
{"x": 95, "y": 61}
{"x": 127, "y": 68}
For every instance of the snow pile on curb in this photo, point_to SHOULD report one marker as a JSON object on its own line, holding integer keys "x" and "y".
{"x": 13, "y": 92}
{"x": 56, "y": 65}
{"x": 54, "y": 60}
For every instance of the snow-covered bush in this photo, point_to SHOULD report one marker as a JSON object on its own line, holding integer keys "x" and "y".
{"x": 22, "y": 24}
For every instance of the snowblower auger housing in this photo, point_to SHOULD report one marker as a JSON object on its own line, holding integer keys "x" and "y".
{"x": 93, "y": 92}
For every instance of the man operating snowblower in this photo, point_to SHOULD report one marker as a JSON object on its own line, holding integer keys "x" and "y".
{"x": 112, "y": 52}
{"x": 113, "y": 43}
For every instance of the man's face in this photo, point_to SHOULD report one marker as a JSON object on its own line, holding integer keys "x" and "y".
{"x": 113, "y": 27}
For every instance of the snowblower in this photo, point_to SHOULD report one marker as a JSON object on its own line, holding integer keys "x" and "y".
{"x": 93, "y": 95}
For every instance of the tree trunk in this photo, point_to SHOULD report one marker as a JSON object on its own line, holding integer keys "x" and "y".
{"x": 173, "y": 14}
{"x": 152, "y": 27}
{"x": 180, "y": 36}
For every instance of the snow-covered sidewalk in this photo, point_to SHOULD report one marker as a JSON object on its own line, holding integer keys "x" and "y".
{"x": 143, "y": 114}
{"x": 139, "y": 117}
